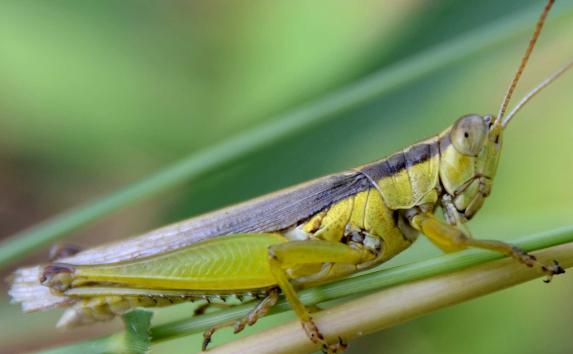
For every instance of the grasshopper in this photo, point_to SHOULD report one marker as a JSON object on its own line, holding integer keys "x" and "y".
{"x": 298, "y": 237}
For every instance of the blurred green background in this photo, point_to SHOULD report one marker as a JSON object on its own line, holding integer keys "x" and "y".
{"x": 94, "y": 95}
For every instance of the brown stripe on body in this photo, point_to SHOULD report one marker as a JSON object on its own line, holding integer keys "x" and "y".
{"x": 408, "y": 176}
{"x": 403, "y": 159}
{"x": 420, "y": 153}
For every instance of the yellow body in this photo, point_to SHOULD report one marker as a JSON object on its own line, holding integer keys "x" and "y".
{"x": 239, "y": 264}
{"x": 356, "y": 232}
{"x": 373, "y": 214}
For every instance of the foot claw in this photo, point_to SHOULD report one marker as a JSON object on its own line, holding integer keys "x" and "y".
{"x": 239, "y": 326}
{"x": 342, "y": 344}
{"x": 205, "y": 344}
{"x": 558, "y": 268}
{"x": 316, "y": 337}
{"x": 551, "y": 270}
{"x": 334, "y": 348}
{"x": 531, "y": 261}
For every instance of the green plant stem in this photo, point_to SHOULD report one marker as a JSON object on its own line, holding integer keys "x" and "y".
{"x": 202, "y": 162}
{"x": 372, "y": 281}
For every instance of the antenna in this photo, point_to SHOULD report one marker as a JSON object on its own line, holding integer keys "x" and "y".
{"x": 536, "y": 90}
{"x": 524, "y": 60}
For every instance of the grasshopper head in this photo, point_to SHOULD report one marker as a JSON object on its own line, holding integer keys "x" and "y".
{"x": 470, "y": 151}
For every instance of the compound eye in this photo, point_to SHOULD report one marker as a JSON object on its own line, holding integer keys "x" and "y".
{"x": 468, "y": 134}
